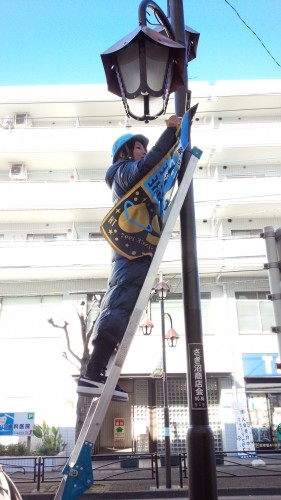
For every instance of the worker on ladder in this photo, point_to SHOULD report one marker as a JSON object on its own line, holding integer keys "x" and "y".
{"x": 131, "y": 163}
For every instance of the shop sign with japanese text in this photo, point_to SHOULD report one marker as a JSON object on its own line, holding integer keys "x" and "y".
{"x": 119, "y": 429}
{"x": 16, "y": 424}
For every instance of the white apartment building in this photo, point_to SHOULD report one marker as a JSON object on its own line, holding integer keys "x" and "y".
{"x": 55, "y": 145}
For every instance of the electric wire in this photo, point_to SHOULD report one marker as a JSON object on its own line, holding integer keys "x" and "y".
{"x": 254, "y": 33}
{"x": 197, "y": 202}
{"x": 195, "y": 97}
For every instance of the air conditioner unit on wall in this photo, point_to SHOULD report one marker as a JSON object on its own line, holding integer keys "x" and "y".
{"x": 18, "y": 171}
{"x": 21, "y": 120}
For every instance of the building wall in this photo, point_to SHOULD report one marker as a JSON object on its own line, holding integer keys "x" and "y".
{"x": 52, "y": 253}
{"x": 32, "y": 357}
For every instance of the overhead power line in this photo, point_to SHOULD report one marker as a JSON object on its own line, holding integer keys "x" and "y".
{"x": 254, "y": 33}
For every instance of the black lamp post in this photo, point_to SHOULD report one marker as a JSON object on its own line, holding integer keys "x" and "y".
{"x": 200, "y": 441}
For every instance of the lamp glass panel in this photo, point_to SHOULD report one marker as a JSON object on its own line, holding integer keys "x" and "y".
{"x": 155, "y": 105}
{"x": 157, "y": 58}
{"x": 129, "y": 66}
{"x": 137, "y": 105}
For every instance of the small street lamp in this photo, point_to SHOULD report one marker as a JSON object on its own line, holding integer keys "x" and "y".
{"x": 147, "y": 325}
{"x": 162, "y": 289}
{"x": 171, "y": 336}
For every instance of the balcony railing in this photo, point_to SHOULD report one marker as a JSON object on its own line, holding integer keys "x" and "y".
{"x": 212, "y": 197}
{"x": 94, "y": 256}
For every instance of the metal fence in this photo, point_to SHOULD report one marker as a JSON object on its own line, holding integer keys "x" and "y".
{"x": 149, "y": 467}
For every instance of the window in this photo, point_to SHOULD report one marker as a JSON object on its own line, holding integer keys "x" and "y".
{"x": 46, "y": 236}
{"x": 174, "y": 305}
{"x": 255, "y": 312}
{"x": 246, "y": 233}
{"x": 27, "y": 316}
{"x": 95, "y": 236}
{"x": 206, "y": 313}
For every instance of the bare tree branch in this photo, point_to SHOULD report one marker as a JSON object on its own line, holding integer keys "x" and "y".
{"x": 83, "y": 315}
{"x": 64, "y": 354}
{"x": 65, "y": 329}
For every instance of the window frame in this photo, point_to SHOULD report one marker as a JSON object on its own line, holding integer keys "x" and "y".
{"x": 258, "y": 298}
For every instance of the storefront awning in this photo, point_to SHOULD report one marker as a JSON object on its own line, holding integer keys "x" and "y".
{"x": 263, "y": 384}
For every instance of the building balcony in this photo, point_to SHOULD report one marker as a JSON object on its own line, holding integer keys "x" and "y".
{"x": 46, "y": 202}
{"x": 72, "y": 134}
{"x": 84, "y": 259}
{"x": 216, "y": 256}
{"x": 69, "y": 142}
{"x": 238, "y": 197}
{"x": 74, "y": 200}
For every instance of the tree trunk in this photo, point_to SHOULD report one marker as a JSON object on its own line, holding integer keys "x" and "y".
{"x": 82, "y": 407}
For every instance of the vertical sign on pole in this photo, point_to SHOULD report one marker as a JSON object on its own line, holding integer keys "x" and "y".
{"x": 198, "y": 387}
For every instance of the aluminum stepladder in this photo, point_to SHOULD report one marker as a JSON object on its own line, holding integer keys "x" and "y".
{"x": 77, "y": 473}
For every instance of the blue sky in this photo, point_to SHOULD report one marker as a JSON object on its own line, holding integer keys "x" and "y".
{"x": 49, "y": 42}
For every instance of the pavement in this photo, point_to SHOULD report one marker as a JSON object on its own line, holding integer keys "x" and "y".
{"x": 236, "y": 479}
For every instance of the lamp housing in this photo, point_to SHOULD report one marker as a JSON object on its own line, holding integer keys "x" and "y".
{"x": 143, "y": 68}
{"x": 191, "y": 40}
{"x": 161, "y": 290}
{"x": 146, "y": 326}
{"x": 172, "y": 337}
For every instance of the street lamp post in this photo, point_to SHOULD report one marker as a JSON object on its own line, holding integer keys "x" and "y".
{"x": 161, "y": 289}
{"x": 165, "y": 401}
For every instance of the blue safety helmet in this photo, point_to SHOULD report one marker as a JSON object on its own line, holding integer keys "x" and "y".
{"x": 124, "y": 139}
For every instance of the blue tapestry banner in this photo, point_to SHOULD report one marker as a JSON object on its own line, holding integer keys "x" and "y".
{"x": 133, "y": 226}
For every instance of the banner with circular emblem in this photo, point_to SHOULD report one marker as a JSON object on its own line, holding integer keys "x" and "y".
{"x": 133, "y": 226}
